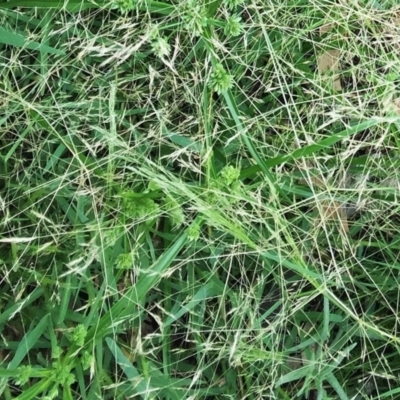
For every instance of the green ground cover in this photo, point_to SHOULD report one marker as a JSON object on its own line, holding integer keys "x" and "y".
{"x": 194, "y": 205}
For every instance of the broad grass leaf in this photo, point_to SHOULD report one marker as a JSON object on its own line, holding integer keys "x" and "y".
{"x": 18, "y": 40}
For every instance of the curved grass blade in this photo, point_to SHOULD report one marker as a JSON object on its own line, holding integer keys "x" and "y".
{"x": 323, "y": 144}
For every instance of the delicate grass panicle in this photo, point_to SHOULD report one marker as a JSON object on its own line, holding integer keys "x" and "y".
{"x": 199, "y": 199}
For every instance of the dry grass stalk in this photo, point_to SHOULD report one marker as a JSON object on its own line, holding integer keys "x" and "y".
{"x": 328, "y": 62}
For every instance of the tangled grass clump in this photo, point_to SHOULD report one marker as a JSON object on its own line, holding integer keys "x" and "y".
{"x": 199, "y": 200}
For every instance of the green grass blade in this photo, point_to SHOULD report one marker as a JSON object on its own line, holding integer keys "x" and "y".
{"x": 140, "y": 385}
{"x": 181, "y": 309}
{"x": 336, "y": 386}
{"x": 244, "y": 134}
{"x": 33, "y": 391}
{"x": 129, "y": 305}
{"x": 8, "y": 373}
{"x": 389, "y": 394}
{"x": 311, "y": 149}
{"x": 18, "y": 40}
{"x": 69, "y": 5}
{"x": 74, "y": 6}
{"x": 28, "y": 341}
{"x": 20, "y": 305}
{"x": 293, "y": 376}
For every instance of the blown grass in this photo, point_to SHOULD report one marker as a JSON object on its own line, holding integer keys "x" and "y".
{"x": 189, "y": 209}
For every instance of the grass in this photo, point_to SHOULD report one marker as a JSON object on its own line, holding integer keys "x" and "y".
{"x": 191, "y": 207}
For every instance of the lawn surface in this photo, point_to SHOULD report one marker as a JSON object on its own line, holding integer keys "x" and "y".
{"x": 199, "y": 199}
